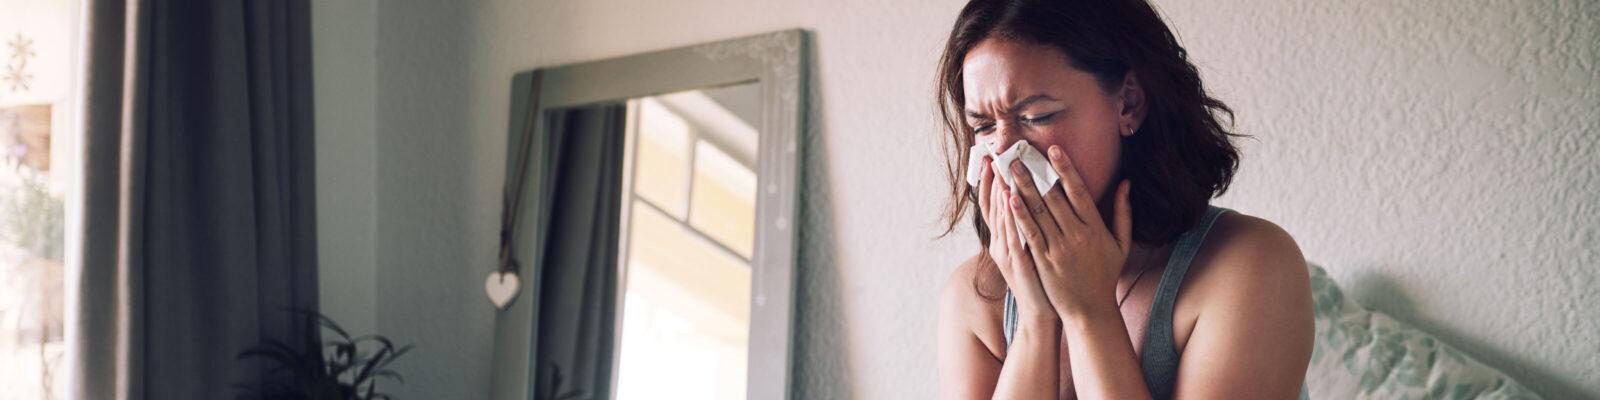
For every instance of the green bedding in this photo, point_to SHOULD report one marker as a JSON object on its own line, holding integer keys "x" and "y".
{"x": 1361, "y": 353}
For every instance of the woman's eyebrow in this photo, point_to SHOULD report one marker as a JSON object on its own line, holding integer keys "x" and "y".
{"x": 971, "y": 113}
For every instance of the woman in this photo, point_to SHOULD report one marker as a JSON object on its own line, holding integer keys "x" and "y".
{"x": 1091, "y": 305}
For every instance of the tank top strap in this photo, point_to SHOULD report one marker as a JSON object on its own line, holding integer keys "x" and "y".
{"x": 1160, "y": 355}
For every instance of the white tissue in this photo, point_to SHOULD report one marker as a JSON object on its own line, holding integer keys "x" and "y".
{"x": 1044, "y": 175}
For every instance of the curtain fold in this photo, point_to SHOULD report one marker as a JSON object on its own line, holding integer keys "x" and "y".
{"x": 197, "y": 232}
{"x": 576, "y": 322}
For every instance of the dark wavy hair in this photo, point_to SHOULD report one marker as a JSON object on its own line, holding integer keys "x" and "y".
{"x": 1182, "y": 154}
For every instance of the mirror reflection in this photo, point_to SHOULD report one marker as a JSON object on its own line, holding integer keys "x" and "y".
{"x": 689, "y": 234}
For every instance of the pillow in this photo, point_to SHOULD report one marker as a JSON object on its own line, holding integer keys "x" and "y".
{"x": 1365, "y": 354}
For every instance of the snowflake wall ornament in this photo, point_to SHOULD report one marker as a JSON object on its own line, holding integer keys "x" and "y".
{"x": 16, "y": 73}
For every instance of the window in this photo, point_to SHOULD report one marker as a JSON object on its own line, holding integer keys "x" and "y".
{"x": 38, "y": 110}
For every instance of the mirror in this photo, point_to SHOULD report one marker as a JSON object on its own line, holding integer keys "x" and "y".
{"x": 655, "y": 230}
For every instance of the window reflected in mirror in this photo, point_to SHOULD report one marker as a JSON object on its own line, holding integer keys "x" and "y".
{"x": 689, "y": 236}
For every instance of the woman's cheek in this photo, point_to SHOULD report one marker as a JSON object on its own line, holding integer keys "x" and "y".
{"x": 1096, "y": 163}
{"x": 1094, "y": 158}
{"x": 1098, "y": 171}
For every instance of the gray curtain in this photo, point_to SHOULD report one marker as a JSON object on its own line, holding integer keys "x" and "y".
{"x": 198, "y": 231}
{"x": 576, "y": 322}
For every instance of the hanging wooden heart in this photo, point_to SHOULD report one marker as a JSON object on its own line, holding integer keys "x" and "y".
{"x": 502, "y": 287}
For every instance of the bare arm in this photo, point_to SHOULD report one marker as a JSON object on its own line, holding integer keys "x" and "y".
{"x": 1032, "y": 367}
{"x": 1105, "y": 366}
{"x": 1254, "y": 336}
{"x": 967, "y": 368}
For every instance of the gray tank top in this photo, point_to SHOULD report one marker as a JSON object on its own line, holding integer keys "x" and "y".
{"x": 1159, "y": 362}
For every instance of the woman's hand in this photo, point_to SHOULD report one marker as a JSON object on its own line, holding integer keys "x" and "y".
{"x": 1078, "y": 257}
{"x": 1006, "y": 250}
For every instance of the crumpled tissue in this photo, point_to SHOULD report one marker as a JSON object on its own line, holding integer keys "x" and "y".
{"x": 1044, "y": 175}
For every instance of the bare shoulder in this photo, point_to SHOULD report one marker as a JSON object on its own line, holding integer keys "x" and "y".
{"x": 1249, "y": 320}
{"x": 969, "y": 365}
{"x": 961, "y": 306}
{"x": 960, "y": 297}
{"x": 958, "y": 287}
{"x": 1248, "y": 257}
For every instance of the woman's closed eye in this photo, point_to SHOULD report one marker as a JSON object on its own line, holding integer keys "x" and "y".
{"x": 1039, "y": 119}
{"x": 982, "y": 128}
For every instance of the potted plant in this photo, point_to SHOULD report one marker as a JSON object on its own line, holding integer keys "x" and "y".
{"x": 339, "y": 368}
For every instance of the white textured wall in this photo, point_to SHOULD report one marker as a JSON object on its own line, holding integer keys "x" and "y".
{"x": 1441, "y": 158}
{"x": 1438, "y": 156}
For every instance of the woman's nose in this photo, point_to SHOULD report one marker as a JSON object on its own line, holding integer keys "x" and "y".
{"x": 1004, "y": 136}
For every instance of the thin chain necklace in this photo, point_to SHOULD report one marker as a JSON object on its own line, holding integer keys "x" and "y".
{"x": 1145, "y": 266}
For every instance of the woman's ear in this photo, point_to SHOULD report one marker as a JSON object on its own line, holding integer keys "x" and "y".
{"x": 1134, "y": 105}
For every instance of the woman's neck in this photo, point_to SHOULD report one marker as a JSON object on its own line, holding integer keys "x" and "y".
{"x": 1144, "y": 256}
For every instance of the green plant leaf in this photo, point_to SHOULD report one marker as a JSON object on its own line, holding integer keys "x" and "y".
{"x": 390, "y": 374}
{"x": 369, "y": 367}
{"x": 324, "y": 321}
{"x": 334, "y": 369}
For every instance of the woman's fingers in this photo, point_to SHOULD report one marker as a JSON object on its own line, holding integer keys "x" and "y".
{"x": 1014, "y": 250}
{"x": 1072, "y": 183}
{"x": 1038, "y": 212}
{"x": 1002, "y": 219}
{"x": 994, "y": 218}
{"x": 1061, "y": 209}
{"x": 1030, "y": 229}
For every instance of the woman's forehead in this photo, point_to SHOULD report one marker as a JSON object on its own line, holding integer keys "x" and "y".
{"x": 1002, "y": 73}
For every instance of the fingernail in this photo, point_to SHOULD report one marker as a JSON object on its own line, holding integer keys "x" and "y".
{"x": 1017, "y": 166}
{"x": 1055, "y": 152}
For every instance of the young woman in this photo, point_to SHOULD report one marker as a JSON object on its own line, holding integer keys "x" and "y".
{"x": 1130, "y": 285}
